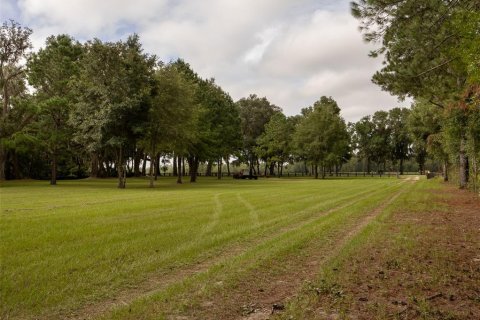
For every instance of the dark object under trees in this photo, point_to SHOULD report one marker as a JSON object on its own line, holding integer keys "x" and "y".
{"x": 240, "y": 175}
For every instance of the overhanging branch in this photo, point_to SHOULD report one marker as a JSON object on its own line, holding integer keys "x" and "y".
{"x": 434, "y": 68}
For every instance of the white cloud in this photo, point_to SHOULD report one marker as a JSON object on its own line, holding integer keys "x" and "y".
{"x": 87, "y": 17}
{"x": 255, "y": 54}
{"x": 291, "y": 51}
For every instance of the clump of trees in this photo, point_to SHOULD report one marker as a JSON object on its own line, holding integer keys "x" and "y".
{"x": 321, "y": 136}
{"x": 103, "y": 108}
{"x": 384, "y": 137}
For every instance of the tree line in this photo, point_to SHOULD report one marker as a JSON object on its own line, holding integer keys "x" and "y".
{"x": 105, "y": 109}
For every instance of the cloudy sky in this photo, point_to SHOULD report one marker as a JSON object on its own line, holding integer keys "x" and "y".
{"x": 291, "y": 51}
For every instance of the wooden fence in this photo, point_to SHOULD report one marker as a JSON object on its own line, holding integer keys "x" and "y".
{"x": 303, "y": 174}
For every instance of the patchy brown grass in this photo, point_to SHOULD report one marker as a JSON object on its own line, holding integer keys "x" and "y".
{"x": 424, "y": 263}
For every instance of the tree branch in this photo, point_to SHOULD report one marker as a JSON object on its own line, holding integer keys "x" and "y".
{"x": 436, "y": 104}
{"x": 14, "y": 75}
{"x": 434, "y": 68}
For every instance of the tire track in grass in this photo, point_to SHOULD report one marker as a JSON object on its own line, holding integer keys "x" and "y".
{"x": 251, "y": 210}
{"x": 348, "y": 200}
{"x": 249, "y": 272}
{"x": 163, "y": 281}
{"x": 217, "y": 211}
{"x": 308, "y": 268}
{"x": 317, "y": 208}
{"x": 207, "y": 228}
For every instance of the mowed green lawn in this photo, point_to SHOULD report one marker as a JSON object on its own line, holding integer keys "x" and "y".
{"x": 70, "y": 248}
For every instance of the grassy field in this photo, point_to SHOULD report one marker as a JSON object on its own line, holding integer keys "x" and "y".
{"x": 84, "y": 249}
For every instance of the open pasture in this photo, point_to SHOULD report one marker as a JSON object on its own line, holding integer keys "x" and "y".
{"x": 85, "y": 249}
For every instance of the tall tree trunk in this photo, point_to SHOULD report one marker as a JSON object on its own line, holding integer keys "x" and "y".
{"x": 400, "y": 168}
{"x": 324, "y": 171}
{"x": 136, "y": 162}
{"x": 152, "y": 174}
{"x": 16, "y": 168}
{"x": 128, "y": 168}
{"x": 193, "y": 163}
{"x": 183, "y": 167}
{"x": 109, "y": 168}
{"x": 250, "y": 167}
{"x": 208, "y": 173}
{"x": 197, "y": 163}
{"x": 281, "y": 168}
{"x": 94, "y": 165}
{"x": 265, "y": 170}
{"x": 195, "y": 170}
{"x": 258, "y": 167}
{"x": 157, "y": 166}
{"x": 315, "y": 170}
{"x": 6, "y": 99}
{"x": 190, "y": 167}
{"x": 445, "y": 170}
{"x": 219, "y": 168}
{"x": 272, "y": 168}
{"x": 467, "y": 168}
{"x": 144, "y": 164}
{"x": 3, "y": 162}
{"x": 228, "y": 165}
{"x": 475, "y": 173}
{"x": 121, "y": 169}
{"x": 174, "y": 166}
{"x": 102, "y": 170}
{"x": 179, "y": 168}
{"x": 79, "y": 162}
{"x": 463, "y": 165}
{"x": 53, "y": 176}
{"x": 3, "y": 151}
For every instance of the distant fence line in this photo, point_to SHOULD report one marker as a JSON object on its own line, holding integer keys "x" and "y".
{"x": 303, "y": 174}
